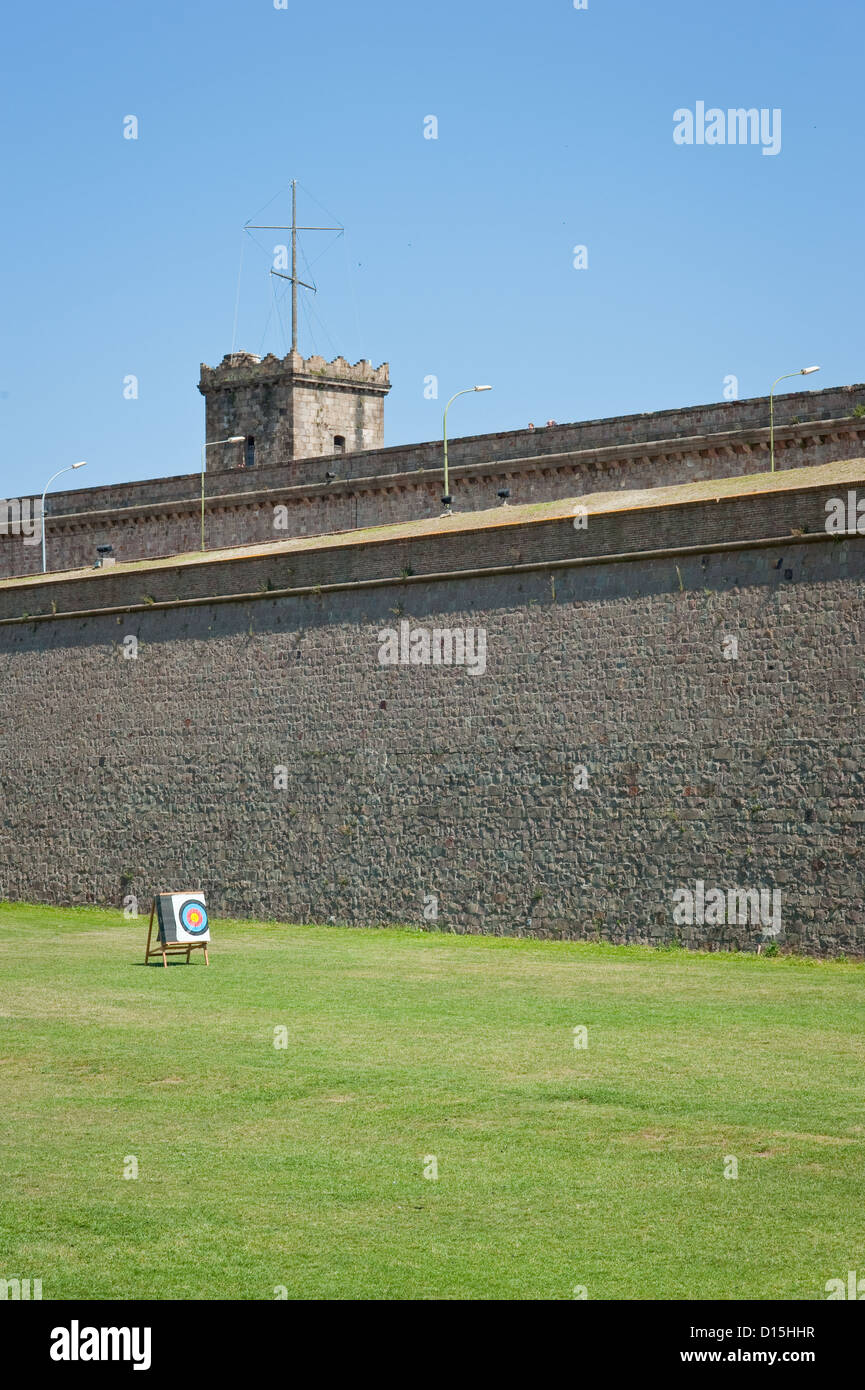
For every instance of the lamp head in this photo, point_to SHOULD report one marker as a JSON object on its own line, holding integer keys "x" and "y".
{"x": 482, "y": 388}
{"x": 82, "y": 464}
{"x": 236, "y": 439}
{"x": 806, "y": 371}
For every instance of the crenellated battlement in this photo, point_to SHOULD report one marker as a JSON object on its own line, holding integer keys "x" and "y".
{"x": 292, "y": 407}
{"x": 245, "y": 368}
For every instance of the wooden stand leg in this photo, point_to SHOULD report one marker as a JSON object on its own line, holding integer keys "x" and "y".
{"x": 206, "y": 957}
{"x": 164, "y": 958}
{"x": 149, "y": 931}
{"x": 188, "y": 949}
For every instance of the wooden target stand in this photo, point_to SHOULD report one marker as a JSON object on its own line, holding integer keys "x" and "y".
{"x": 170, "y": 948}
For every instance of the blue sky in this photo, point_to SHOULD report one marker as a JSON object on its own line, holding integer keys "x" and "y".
{"x": 121, "y": 257}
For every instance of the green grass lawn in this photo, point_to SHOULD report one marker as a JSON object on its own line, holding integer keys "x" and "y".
{"x": 304, "y": 1166}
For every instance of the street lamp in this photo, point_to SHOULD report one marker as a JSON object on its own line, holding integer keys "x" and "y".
{"x": 447, "y": 497}
{"x": 67, "y": 469}
{"x": 235, "y": 439}
{"x": 803, "y": 371}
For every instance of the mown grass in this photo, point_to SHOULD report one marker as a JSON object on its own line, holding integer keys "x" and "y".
{"x": 303, "y": 1167}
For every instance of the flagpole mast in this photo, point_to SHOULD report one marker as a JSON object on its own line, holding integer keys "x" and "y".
{"x": 294, "y": 265}
{"x": 294, "y": 229}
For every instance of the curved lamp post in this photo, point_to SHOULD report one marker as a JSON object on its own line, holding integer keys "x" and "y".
{"x": 803, "y": 371}
{"x": 447, "y": 499}
{"x": 67, "y": 469}
{"x": 235, "y": 439}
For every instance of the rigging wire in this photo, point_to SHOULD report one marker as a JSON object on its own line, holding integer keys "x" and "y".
{"x": 351, "y": 279}
{"x": 279, "y": 315}
{"x": 323, "y": 328}
{"x": 309, "y": 328}
{"x": 237, "y": 299}
{"x": 276, "y": 195}
{"x": 330, "y": 214}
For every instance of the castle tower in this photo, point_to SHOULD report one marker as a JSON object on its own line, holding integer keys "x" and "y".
{"x": 292, "y": 407}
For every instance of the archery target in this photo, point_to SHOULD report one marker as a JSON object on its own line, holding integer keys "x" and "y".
{"x": 183, "y": 917}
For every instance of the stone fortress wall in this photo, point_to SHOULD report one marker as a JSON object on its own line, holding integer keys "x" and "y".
{"x": 356, "y": 490}
{"x": 227, "y": 720}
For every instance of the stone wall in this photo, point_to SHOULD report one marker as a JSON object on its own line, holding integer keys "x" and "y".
{"x": 619, "y": 434}
{"x": 615, "y": 432}
{"x": 162, "y": 517}
{"x": 411, "y": 787}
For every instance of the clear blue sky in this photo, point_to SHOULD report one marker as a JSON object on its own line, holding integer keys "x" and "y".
{"x": 121, "y": 257}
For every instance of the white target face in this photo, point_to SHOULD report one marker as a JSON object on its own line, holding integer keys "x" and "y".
{"x": 183, "y": 917}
